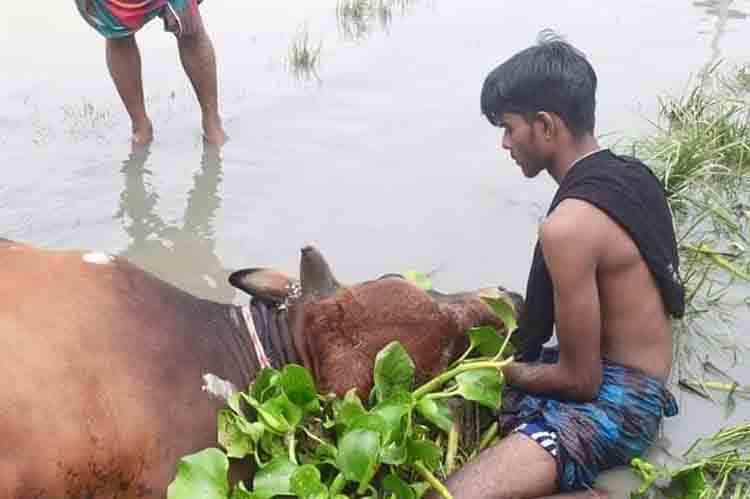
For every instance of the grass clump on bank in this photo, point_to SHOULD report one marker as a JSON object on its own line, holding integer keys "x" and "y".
{"x": 714, "y": 467}
{"x": 701, "y": 153}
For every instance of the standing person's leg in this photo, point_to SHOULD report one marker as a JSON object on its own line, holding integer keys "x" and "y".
{"x": 199, "y": 60}
{"x": 124, "y": 63}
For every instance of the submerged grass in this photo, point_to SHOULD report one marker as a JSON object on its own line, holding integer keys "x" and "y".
{"x": 357, "y": 18}
{"x": 304, "y": 56}
{"x": 86, "y": 120}
{"x": 701, "y": 153}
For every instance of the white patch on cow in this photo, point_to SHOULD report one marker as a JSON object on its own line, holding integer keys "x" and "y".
{"x": 218, "y": 387}
{"x": 98, "y": 258}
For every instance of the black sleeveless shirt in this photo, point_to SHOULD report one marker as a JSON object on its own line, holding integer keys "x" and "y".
{"x": 631, "y": 195}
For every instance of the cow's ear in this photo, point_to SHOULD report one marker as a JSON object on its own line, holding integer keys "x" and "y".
{"x": 315, "y": 274}
{"x": 264, "y": 283}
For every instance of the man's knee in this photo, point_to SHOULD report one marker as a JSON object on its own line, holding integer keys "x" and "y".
{"x": 190, "y": 38}
{"x": 191, "y": 34}
{"x": 517, "y": 466}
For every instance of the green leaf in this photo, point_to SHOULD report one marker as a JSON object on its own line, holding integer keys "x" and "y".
{"x": 324, "y": 452}
{"x": 348, "y": 409}
{"x": 436, "y": 412}
{"x": 392, "y": 411}
{"x": 425, "y": 451}
{"x": 298, "y": 384}
{"x": 234, "y": 402}
{"x": 359, "y": 452}
{"x": 484, "y": 386}
{"x": 649, "y": 475}
{"x": 236, "y": 442}
{"x": 693, "y": 483}
{"x": 306, "y": 483}
{"x": 273, "y": 444}
{"x": 486, "y": 340}
{"x": 395, "y": 453}
{"x": 396, "y": 485}
{"x": 419, "y": 279}
{"x": 203, "y": 474}
{"x": 394, "y": 371}
{"x": 372, "y": 422}
{"x": 504, "y": 310}
{"x": 272, "y": 420}
{"x": 273, "y": 479}
{"x": 254, "y": 430}
{"x": 283, "y": 410}
{"x": 265, "y": 385}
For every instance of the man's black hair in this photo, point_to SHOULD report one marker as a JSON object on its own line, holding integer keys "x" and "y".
{"x": 552, "y": 76}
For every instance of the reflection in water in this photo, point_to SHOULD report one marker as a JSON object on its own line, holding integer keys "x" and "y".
{"x": 358, "y": 18}
{"x": 723, "y": 13}
{"x": 183, "y": 255}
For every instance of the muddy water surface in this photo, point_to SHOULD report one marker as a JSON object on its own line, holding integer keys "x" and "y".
{"x": 380, "y": 157}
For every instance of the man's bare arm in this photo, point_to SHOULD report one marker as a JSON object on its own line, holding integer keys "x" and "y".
{"x": 570, "y": 240}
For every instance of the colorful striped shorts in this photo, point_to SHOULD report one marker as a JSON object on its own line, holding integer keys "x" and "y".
{"x": 587, "y": 438}
{"x": 121, "y": 18}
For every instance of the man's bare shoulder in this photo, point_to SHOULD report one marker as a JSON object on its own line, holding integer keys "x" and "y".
{"x": 575, "y": 222}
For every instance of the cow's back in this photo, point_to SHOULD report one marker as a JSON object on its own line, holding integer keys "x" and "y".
{"x": 101, "y": 379}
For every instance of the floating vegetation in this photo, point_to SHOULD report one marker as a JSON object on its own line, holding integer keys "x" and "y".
{"x": 399, "y": 441}
{"x": 358, "y": 18}
{"x": 701, "y": 153}
{"x": 712, "y": 381}
{"x": 304, "y": 56}
{"x": 714, "y": 467}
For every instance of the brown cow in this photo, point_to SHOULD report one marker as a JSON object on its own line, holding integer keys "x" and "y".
{"x": 101, "y": 382}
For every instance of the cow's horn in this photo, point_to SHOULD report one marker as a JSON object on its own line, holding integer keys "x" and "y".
{"x": 315, "y": 274}
{"x": 267, "y": 284}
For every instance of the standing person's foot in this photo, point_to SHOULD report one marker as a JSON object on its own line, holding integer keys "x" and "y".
{"x": 213, "y": 132}
{"x": 143, "y": 134}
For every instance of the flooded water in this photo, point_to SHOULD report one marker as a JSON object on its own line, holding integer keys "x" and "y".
{"x": 380, "y": 157}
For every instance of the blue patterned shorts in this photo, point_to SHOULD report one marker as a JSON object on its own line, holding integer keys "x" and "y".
{"x": 587, "y": 438}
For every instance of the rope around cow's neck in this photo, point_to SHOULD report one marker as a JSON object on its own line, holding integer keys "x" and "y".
{"x": 260, "y": 352}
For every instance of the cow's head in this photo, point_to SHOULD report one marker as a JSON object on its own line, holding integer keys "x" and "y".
{"x": 339, "y": 329}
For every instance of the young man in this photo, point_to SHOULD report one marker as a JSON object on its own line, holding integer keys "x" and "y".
{"x": 118, "y": 22}
{"x": 604, "y": 273}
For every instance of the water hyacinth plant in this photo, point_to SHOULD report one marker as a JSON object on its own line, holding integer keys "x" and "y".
{"x": 701, "y": 153}
{"x": 399, "y": 442}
